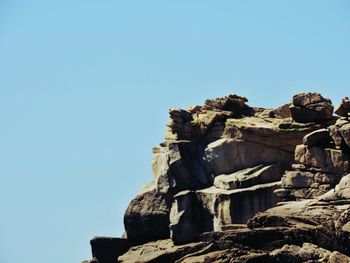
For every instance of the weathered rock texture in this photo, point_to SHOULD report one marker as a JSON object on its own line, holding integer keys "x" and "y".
{"x": 219, "y": 180}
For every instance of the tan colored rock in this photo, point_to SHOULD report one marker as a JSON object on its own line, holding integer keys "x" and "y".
{"x": 342, "y": 190}
{"x": 232, "y": 103}
{"x": 161, "y": 251}
{"x": 345, "y": 133}
{"x": 279, "y": 133}
{"x": 297, "y": 179}
{"x": 184, "y": 218}
{"x": 282, "y": 112}
{"x": 319, "y": 137}
{"x": 147, "y": 217}
{"x": 308, "y": 253}
{"x": 227, "y": 207}
{"x": 179, "y": 166}
{"x": 226, "y": 156}
{"x": 328, "y": 160}
{"x": 249, "y": 177}
{"x": 343, "y": 109}
{"x": 311, "y": 107}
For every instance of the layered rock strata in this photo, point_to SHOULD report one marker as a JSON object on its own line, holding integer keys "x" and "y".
{"x": 220, "y": 177}
{"x": 320, "y": 162}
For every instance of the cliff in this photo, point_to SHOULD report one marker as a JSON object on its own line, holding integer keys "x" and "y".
{"x": 235, "y": 183}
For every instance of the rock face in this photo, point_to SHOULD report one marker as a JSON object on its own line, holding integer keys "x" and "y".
{"x": 147, "y": 217}
{"x": 311, "y": 107}
{"x": 321, "y": 161}
{"x": 219, "y": 180}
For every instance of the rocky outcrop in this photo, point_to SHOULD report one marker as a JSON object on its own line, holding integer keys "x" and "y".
{"x": 321, "y": 161}
{"x": 108, "y": 249}
{"x": 219, "y": 180}
{"x": 248, "y": 177}
{"x": 343, "y": 109}
{"x": 311, "y": 107}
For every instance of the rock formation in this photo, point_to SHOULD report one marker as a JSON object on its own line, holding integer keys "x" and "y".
{"x": 234, "y": 183}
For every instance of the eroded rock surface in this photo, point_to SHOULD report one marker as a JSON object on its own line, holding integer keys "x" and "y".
{"x": 219, "y": 180}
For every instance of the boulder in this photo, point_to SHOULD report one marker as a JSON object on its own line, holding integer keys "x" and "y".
{"x": 226, "y": 156}
{"x": 179, "y": 166}
{"x": 318, "y": 222}
{"x": 277, "y": 133}
{"x": 297, "y": 179}
{"x": 342, "y": 190}
{"x": 185, "y": 218}
{"x": 108, "y": 249}
{"x": 311, "y": 107}
{"x": 164, "y": 251}
{"x": 345, "y": 133}
{"x": 308, "y": 252}
{"x": 326, "y": 159}
{"x": 232, "y": 102}
{"x": 343, "y": 109}
{"x": 282, "y": 112}
{"x": 179, "y": 125}
{"x": 319, "y": 137}
{"x": 249, "y": 177}
{"x": 147, "y": 217}
{"x": 226, "y": 207}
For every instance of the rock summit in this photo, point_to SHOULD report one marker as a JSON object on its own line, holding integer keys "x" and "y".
{"x": 235, "y": 183}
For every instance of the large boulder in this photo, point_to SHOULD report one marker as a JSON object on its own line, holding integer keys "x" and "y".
{"x": 232, "y": 103}
{"x": 321, "y": 223}
{"x": 281, "y": 134}
{"x": 319, "y": 137}
{"x": 226, "y": 156}
{"x": 343, "y": 109}
{"x": 311, "y": 107}
{"x": 108, "y": 249}
{"x": 249, "y": 177}
{"x": 226, "y": 207}
{"x": 147, "y": 217}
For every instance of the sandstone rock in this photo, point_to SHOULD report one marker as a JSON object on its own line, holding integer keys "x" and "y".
{"x": 179, "y": 166}
{"x": 185, "y": 218}
{"x": 218, "y": 170}
{"x": 232, "y": 102}
{"x": 249, "y": 177}
{"x": 277, "y": 133}
{"x": 328, "y": 160}
{"x": 194, "y": 109}
{"x": 313, "y": 221}
{"x": 282, "y": 112}
{"x": 297, "y": 179}
{"x": 204, "y": 121}
{"x": 310, "y": 107}
{"x": 342, "y": 190}
{"x": 345, "y": 133}
{"x": 147, "y": 217}
{"x": 227, "y": 207}
{"x": 163, "y": 251}
{"x": 226, "y": 156}
{"x": 108, "y": 249}
{"x": 180, "y": 125}
{"x": 319, "y": 137}
{"x": 307, "y": 253}
{"x": 334, "y": 131}
{"x": 343, "y": 109}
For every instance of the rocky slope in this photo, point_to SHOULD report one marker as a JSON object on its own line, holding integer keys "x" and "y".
{"x": 234, "y": 183}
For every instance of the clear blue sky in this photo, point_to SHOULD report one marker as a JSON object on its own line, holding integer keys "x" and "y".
{"x": 86, "y": 86}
